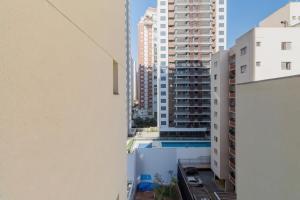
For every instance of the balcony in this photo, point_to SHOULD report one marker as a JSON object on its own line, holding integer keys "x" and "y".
{"x": 231, "y": 137}
{"x": 232, "y": 109}
{"x": 232, "y": 178}
{"x": 232, "y": 123}
{"x": 232, "y": 81}
{"x": 231, "y": 163}
{"x": 232, "y": 67}
{"x": 232, "y": 95}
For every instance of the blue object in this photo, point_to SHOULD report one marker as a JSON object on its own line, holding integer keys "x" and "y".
{"x": 186, "y": 144}
{"x": 145, "y": 145}
{"x": 146, "y": 177}
{"x": 145, "y": 186}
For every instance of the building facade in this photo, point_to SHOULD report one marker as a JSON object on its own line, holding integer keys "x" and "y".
{"x": 63, "y": 100}
{"x": 147, "y": 50}
{"x": 266, "y": 52}
{"x": 188, "y": 33}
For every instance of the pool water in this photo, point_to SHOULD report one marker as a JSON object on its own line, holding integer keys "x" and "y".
{"x": 185, "y": 144}
{"x": 145, "y": 145}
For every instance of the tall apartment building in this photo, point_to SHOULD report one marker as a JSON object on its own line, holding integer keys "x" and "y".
{"x": 189, "y": 31}
{"x": 147, "y": 52}
{"x": 266, "y": 52}
{"x": 63, "y": 100}
{"x": 129, "y": 70}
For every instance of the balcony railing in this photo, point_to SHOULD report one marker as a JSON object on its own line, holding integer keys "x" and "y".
{"x": 231, "y": 81}
{"x": 232, "y": 95}
{"x": 231, "y": 163}
{"x": 232, "y": 178}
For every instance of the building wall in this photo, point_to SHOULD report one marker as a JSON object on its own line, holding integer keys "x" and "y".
{"x": 180, "y": 43}
{"x": 62, "y": 129}
{"x": 269, "y": 53}
{"x": 219, "y": 114}
{"x": 146, "y": 59}
{"x": 268, "y": 139}
{"x": 288, "y": 13}
{"x": 147, "y": 160}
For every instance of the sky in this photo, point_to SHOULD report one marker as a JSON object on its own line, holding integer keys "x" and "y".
{"x": 243, "y": 15}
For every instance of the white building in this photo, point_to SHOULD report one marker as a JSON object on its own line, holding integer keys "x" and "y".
{"x": 267, "y": 52}
{"x": 219, "y": 115}
{"x": 188, "y": 33}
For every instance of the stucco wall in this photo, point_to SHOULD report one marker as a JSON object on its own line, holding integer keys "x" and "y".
{"x": 62, "y": 129}
{"x": 162, "y": 160}
{"x": 267, "y": 139}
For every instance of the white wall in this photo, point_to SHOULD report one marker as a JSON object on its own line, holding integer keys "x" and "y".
{"x": 162, "y": 160}
{"x": 220, "y": 68}
{"x": 268, "y": 140}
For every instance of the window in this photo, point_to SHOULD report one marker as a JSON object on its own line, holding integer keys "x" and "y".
{"x": 215, "y": 89}
{"x": 163, "y": 18}
{"x": 115, "y": 78}
{"x": 215, "y": 126}
{"x": 163, "y": 55}
{"x": 163, "y": 93}
{"x": 163, "y": 123}
{"x": 162, "y": 48}
{"x": 286, "y": 65}
{"x": 163, "y": 64}
{"x": 216, "y": 138}
{"x": 258, "y": 64}
{"x": 215, "y": 163}
{"x": 216, "y": 114}
{"x": 163, "y": 3}
{"x": 221, "y": 32}
{"x": 163, "y": 41}
{"x": 163, "y": 10}
{"x": 215, "y": 64}
{"x": 221, "y": 17}
{"x": 163, "y": 33}
{"x": 221, "y": 39}
{"x": 221, "y": 24}
{"x": 286, "y": 45}
{"x": 216, "y": 101}
{"x": 215, "y": 151}
{"x": 221, "y": 2}
{"x": 163, "y": 108}
{"x": 163, "y": 26}
{"x": 243, "y": 51}
{"x": 163, "y": 78}
{"x": 163, "y": 101}
{"x": 215, "y": 76}
{"x": 163, "y": 116}
{"x": 243, "y": 69}
{"x": 163, "y": 86}
{"x": 221, "y": 9}
{"x": 221, "y": 47}
{"x": 258, "y": 44}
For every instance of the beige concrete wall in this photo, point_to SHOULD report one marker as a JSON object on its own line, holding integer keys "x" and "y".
{"x": 268, "y": 141}
{"x": 62, "y": 129}
{"x": 219, "y": 135}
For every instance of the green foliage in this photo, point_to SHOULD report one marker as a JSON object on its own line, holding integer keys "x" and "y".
{"x": 164, "y": 192}
{"x": 144, "y": 123}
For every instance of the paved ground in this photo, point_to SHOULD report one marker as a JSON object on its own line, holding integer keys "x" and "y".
{"x": 144, "y": 196}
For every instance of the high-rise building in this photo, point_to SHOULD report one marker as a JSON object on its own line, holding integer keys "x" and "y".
{"x": 63, "y": 100}
{"x": 147, "y": 50}
{"x": 189, "y": 31}
{"x": 269, "y": 51}
{"x": 129, "y": 70}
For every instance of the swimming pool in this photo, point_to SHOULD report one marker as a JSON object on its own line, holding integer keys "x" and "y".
{"x": 145, "y": 145}
{"x": 186, "y": 144}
